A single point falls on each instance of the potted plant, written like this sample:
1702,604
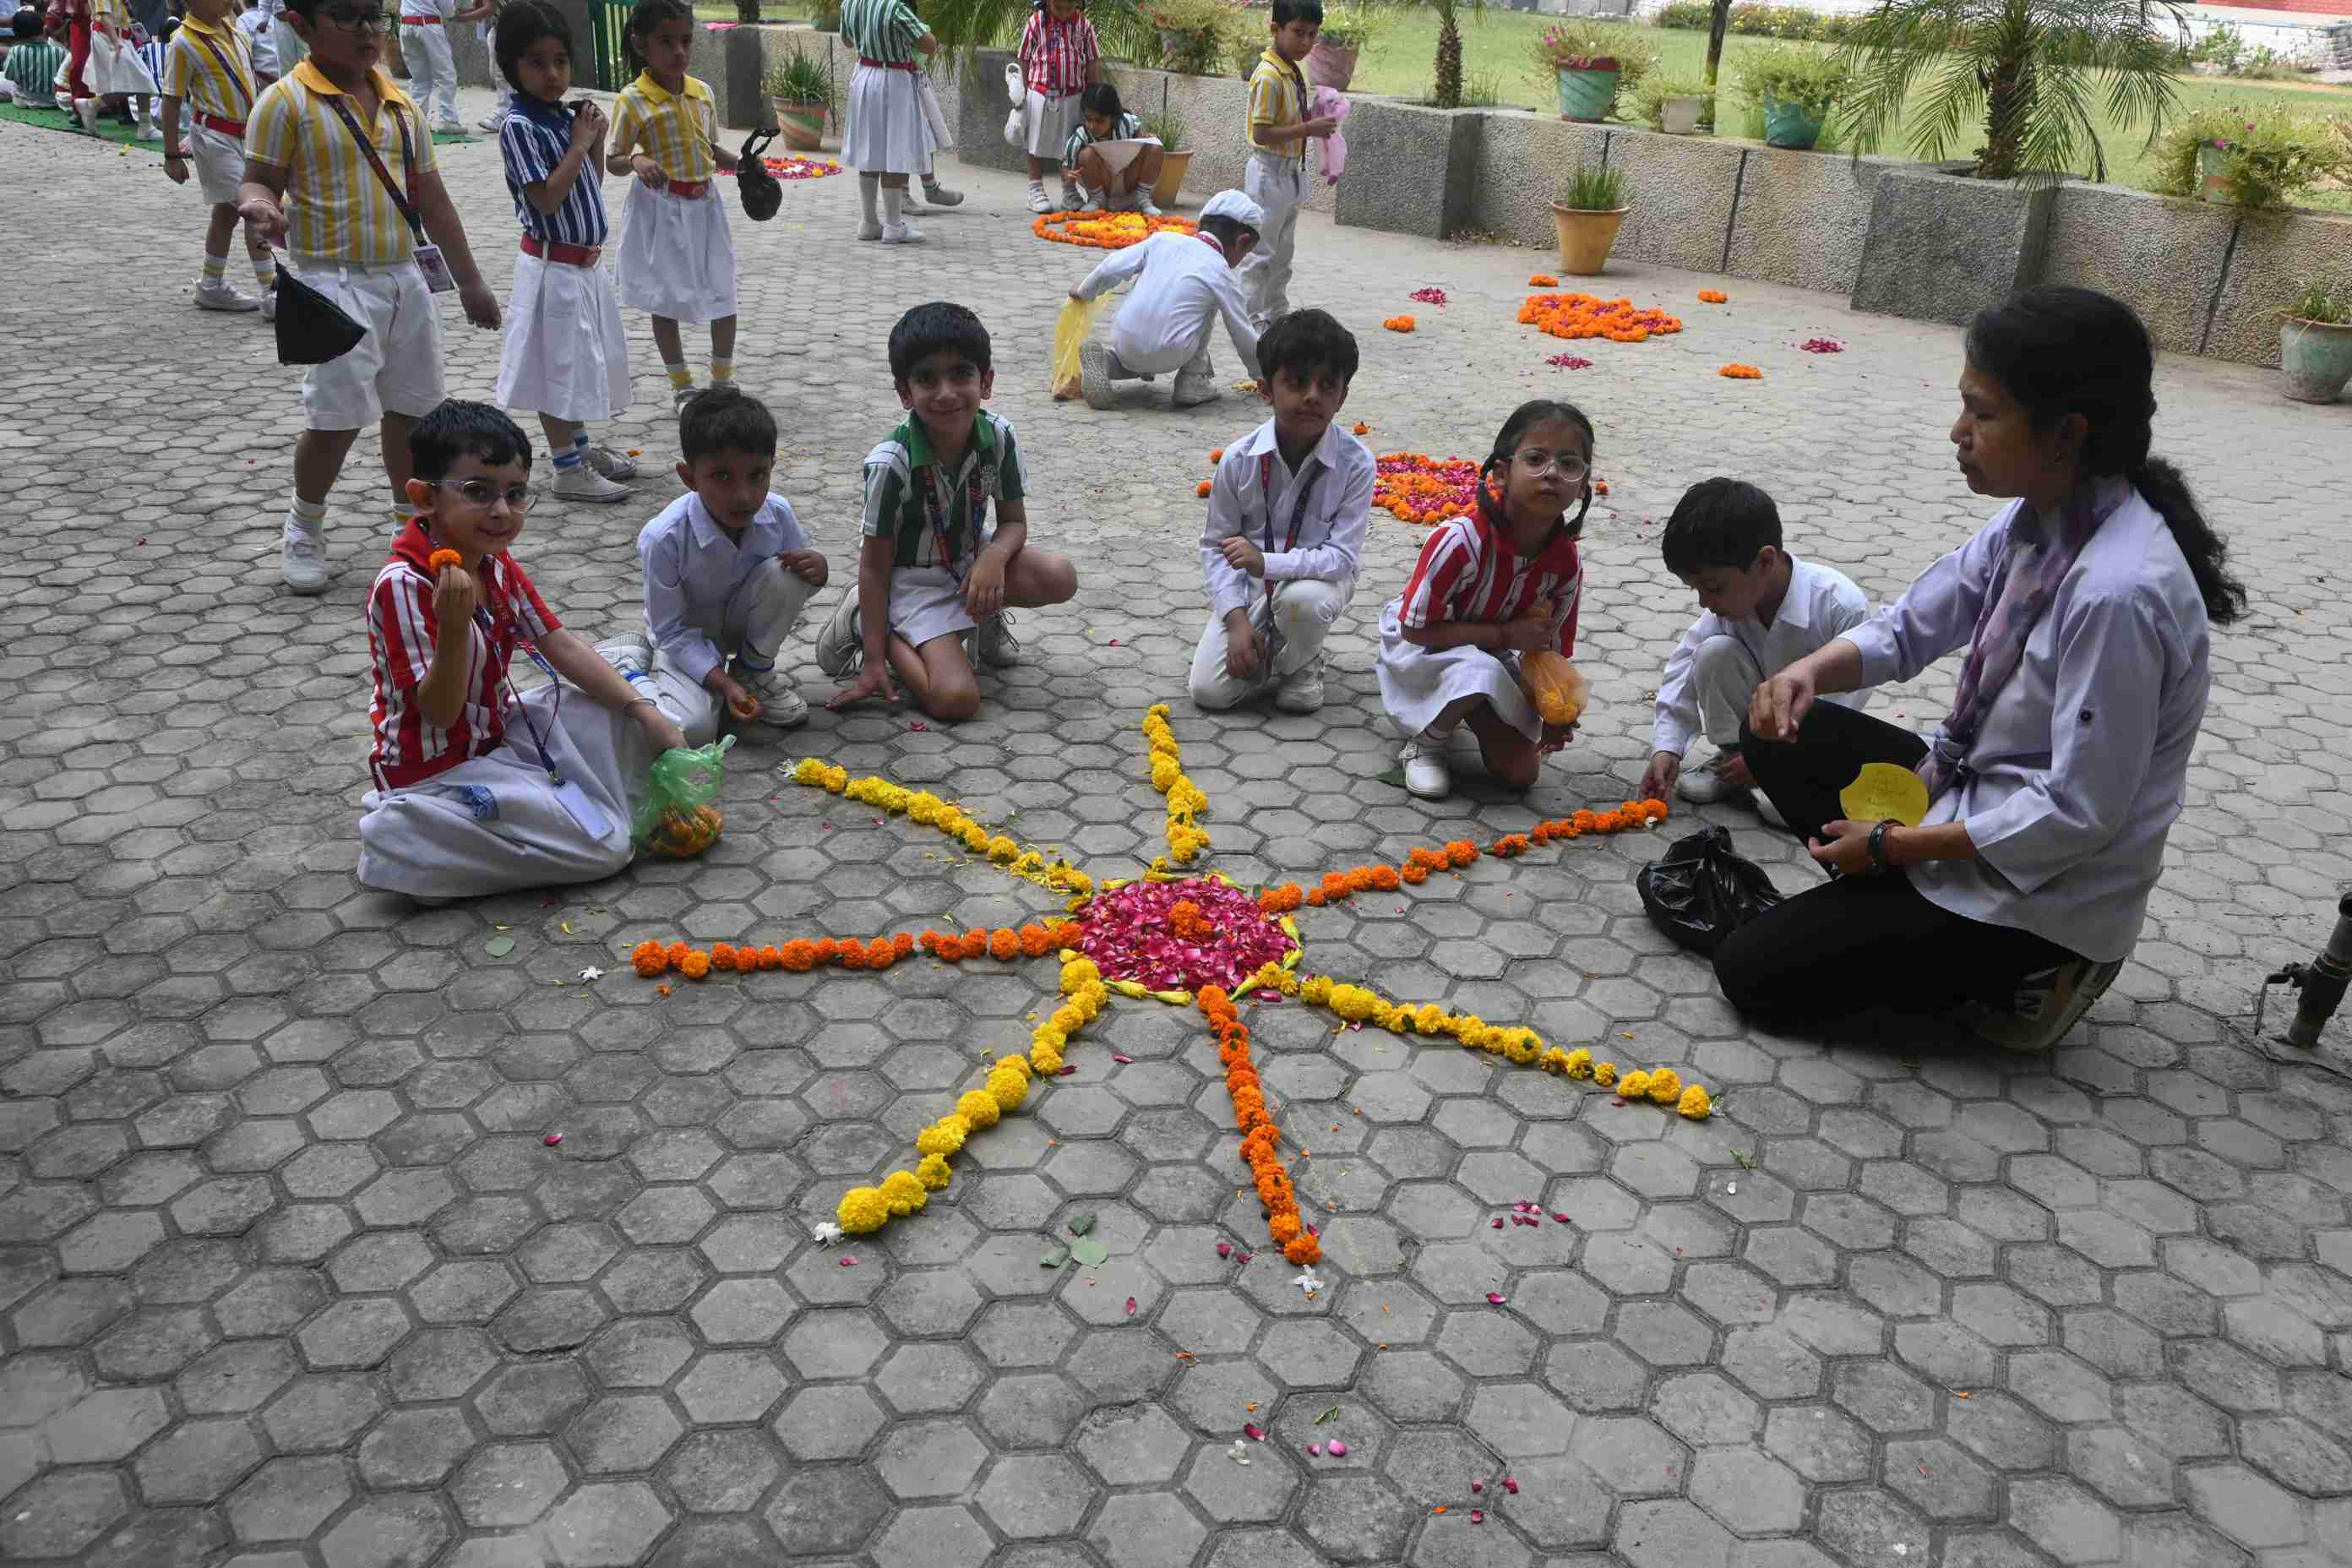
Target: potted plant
1196,35
1590,206
1349,29
1170,128
806,96
2266,159
1679,106
2315,344
1594,61
1796,87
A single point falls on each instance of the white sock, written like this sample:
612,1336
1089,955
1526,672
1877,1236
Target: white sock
311,517
870,188
1038,187
894,206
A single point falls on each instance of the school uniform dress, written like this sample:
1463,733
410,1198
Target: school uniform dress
1276,179
472,807
346,238
114,65
1116,150
888,132
1054,59
1183,287
1310,525
210,71
678,255
937,520
709,598
567,351
1471,569
1719,664
432,64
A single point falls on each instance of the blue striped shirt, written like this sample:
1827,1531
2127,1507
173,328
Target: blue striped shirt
533,141
151,53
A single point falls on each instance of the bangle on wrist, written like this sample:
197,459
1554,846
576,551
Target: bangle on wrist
1878,861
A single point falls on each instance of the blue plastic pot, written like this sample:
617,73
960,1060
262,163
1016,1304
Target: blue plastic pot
1586,94
1790,125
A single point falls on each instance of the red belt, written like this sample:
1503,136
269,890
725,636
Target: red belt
683,190
906,65
225,127
569,255
420,21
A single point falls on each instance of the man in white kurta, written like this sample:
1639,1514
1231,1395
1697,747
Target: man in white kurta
1184,284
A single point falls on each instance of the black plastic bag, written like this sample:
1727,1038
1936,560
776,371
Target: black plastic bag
1702,892
311,328
761,192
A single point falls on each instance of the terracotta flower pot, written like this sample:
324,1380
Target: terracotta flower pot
1327,65
1171,177
1585,237
2316,359
802,124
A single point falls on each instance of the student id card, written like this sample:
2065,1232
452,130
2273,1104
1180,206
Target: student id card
436,268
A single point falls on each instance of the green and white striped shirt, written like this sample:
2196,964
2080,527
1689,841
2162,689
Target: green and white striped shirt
883,30
934,516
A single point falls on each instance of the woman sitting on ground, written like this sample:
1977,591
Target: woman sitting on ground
2053,782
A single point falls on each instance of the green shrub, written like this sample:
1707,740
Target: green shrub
1800,77
1686,15
1593,190
1169,126
1201,37
1566,45
1350,26
2317,304
2269,160
1648,103
796,77
1790,21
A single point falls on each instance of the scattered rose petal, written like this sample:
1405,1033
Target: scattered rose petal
1245,1257
553,1139
1498,1222
1495,1298
919,725
1478,1516
1067,1068
1315,1450
1337,1449
1122,1059
1822,346
1510,1486
1253,1431
1569,362
849,1262
1224,1249
1477,1486
1559,1218
1131,1306
1431,296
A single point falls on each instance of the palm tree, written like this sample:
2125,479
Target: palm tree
2033,69
1446,91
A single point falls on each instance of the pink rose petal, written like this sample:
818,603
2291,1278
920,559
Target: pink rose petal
553,1139
1338,1450
1067,1068
1478,1516
1477,1486
1224,1249
1315,1450
1510,1486
1498,1222
1131,1306
1122,1060
848,1262
1559,1219
1253,1431
1495,1298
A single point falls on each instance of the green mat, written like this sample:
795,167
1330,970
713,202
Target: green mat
111,129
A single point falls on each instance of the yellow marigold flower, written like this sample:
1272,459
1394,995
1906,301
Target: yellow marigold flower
1554,1060
1003,850
1634,1084
1384,1015
1078,973
1029,863
975,837
978,1107
1015,1064
1164,771
1048,1037
1045,1061
1068,1019
1695,1104
1466,1026
1430,1018
925,807
1157,710
904,1191
809,771
939,1137
1665,1086
1317,990
1604,1073
933,1172
862,1209
1353,1003
1579,1063
1519,1044
1009,1089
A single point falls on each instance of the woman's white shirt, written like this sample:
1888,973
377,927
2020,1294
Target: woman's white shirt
2079,768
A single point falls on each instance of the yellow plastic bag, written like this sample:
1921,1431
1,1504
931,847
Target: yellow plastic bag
1077,320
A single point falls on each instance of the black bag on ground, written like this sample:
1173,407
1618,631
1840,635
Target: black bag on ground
1702,892
311,328
761,192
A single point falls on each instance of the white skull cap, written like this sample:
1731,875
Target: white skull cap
1238,207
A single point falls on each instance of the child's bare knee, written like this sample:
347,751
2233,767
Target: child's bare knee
953,705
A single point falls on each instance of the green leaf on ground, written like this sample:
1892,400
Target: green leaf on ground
1089,1251
1394,777
499,946
1327,1414
1081,1224
1055,1257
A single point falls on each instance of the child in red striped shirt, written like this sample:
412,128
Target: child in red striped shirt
1502,582
1060,59
478,790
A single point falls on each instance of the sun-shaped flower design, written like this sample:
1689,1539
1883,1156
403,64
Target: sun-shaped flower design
1197,941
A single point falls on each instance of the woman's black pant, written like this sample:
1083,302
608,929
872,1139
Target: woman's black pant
1862,941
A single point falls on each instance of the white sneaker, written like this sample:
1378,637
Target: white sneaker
631,654
1425,772
214,296
610,464
1196,388
493,123
1701,782
939,196
269,304
449,127
869,231
150,133
905,233
1094,375
1301,691
2046,1006
1039,201
781,706
839,647
580,482
994,643
1073,197
679,397
303,563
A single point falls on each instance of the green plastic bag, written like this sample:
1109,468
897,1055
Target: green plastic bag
1070,329
678,820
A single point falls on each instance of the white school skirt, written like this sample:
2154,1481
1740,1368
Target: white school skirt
677,258
1417,684
566,354
887,134
926,602
115,68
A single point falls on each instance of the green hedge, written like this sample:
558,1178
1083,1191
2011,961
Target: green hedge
1792,22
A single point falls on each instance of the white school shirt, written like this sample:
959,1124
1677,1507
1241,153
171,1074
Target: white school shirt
1822,603
693,570
1183,281
2079,768
1331,529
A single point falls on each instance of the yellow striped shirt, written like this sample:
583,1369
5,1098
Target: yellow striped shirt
335,206
1277,96
193,71
675,129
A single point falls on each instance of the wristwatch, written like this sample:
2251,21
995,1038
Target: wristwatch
1878,844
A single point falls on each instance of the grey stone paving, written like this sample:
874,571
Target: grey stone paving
287,1275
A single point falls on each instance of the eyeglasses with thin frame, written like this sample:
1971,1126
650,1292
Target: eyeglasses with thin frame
356,19
481,493
1535,462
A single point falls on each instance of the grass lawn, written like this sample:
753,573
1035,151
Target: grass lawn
1497,54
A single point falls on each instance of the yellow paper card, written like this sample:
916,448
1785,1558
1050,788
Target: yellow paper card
1881,791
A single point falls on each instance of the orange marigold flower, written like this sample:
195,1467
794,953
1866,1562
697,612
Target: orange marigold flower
902,944
1741,373
696,964
1384,877
1460,853
1304,1250
1713,297
1201,488
1216,454
747,961
1069,933
827,949
649,959
772,957
1035,941
1285,1228
851,953
1362,428
1361,880
972,945
1543,281
880,953
931,941
1005,945
440,558
722,953
1316,900
1415,874
798,955
1399,323
662,990
1600,487
677,952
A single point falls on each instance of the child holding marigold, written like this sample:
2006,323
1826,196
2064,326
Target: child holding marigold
1288,509
1502,582
931,570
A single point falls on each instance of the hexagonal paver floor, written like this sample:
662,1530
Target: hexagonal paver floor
290,1273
